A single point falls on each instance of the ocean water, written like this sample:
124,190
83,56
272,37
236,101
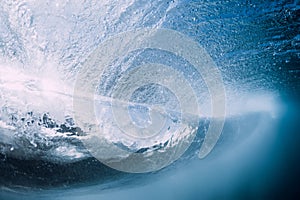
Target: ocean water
44,47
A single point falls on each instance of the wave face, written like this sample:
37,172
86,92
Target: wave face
43,45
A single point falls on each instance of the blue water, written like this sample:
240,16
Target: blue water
255,45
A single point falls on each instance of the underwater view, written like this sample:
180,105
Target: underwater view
135,99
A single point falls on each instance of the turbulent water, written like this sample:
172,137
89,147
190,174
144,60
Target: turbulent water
43,47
